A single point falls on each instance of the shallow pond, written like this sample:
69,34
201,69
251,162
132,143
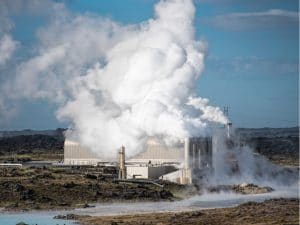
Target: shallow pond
33,218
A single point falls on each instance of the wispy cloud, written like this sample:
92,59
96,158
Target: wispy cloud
273,18
253,65
245,3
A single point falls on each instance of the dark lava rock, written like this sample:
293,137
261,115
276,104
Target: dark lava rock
13,186
91,176
251,189
69,185
27,195
22,223
241,189
45,176
165,194
66,217
27,143
196,214
44,199
19,187
114,223
88,206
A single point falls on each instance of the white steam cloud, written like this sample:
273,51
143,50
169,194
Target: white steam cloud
120,84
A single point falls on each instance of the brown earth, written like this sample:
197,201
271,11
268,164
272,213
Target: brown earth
275,211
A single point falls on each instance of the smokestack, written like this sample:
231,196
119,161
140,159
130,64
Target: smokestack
229,125
122,168
187,174
187,153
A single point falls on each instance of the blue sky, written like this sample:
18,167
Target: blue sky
251,64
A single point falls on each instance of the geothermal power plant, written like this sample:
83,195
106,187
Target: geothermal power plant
189,162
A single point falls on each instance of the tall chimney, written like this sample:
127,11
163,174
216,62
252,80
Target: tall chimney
229,125
186,177
122,168
187,153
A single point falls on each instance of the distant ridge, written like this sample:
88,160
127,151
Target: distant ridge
26,132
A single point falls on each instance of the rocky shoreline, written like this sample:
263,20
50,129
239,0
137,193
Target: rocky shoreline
52,188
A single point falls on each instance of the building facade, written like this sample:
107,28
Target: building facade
75,154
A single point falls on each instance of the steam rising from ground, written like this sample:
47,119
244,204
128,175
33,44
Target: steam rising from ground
236,163
120,84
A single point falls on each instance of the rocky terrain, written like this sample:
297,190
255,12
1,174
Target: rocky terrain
22,146
26,188
280,145
244,189
274,211
66,187
55,188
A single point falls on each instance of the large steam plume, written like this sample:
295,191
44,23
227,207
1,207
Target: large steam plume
119,84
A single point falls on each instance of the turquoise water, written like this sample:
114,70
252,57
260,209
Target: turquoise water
33,218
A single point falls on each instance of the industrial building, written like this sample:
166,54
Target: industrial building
187,163
156,152
148,171
198,161
75,154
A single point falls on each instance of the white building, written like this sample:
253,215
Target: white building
75,154
157,161
148,171
156,152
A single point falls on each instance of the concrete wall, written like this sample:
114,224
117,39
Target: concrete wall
137,172
148,172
